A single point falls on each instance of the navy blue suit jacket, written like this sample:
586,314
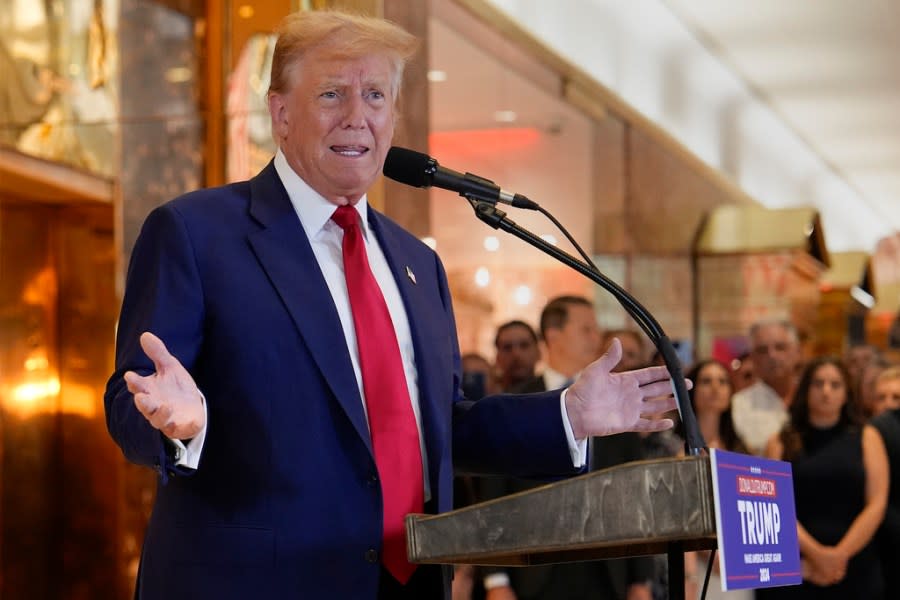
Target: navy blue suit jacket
285,502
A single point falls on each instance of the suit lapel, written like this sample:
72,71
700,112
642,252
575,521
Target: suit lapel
287,257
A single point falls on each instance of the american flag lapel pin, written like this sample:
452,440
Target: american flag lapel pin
410,274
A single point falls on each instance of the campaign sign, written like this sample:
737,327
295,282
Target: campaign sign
756,523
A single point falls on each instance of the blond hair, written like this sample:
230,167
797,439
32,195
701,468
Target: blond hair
889,374
347,35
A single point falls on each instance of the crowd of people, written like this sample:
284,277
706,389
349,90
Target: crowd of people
835,419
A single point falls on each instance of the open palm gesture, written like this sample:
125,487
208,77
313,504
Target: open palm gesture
168,398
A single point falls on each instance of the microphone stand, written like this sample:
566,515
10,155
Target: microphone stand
693,442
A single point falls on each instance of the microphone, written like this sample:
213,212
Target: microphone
420,170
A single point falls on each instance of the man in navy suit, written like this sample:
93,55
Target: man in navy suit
238,360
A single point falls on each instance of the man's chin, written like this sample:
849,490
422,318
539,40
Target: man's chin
353,187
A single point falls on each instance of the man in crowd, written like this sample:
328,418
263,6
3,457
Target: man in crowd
856,358
760,410
517,349
571,339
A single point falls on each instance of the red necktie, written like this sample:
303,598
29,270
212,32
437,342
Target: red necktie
392,423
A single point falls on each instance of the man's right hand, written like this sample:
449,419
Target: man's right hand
169,398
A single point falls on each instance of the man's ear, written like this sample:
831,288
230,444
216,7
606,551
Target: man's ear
279,113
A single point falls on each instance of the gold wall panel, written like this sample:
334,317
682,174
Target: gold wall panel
60,499
29,383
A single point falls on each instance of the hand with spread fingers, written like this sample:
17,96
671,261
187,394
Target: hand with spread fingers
601,402
168,398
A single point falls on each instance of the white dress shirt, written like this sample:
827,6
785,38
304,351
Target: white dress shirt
758,413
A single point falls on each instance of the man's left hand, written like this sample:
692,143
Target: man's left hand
601,402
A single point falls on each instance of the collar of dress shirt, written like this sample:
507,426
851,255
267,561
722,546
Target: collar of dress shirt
555,380
311,207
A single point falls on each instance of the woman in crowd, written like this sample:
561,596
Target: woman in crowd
840,486
711,401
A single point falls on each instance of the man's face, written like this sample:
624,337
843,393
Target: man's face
517,354
336,123
578,342
857,359
887,395
775,353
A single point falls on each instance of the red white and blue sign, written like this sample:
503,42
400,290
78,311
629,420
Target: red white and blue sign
756,522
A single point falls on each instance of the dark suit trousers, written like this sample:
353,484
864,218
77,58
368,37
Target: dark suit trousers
426,582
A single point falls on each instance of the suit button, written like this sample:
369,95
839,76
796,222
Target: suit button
372,481
372,555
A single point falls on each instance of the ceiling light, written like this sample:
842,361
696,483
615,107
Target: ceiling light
437,76
430,242
482,277
522,295
179,75
505,116
491,243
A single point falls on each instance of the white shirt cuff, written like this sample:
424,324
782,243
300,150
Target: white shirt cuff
577,448
188,455
495,580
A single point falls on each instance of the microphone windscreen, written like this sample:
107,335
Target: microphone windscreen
407,166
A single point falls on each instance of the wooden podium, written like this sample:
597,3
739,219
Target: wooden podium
646,507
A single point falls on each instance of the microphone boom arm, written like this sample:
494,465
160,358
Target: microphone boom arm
496,218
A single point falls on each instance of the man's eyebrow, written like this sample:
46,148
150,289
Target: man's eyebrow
332,81
341,82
